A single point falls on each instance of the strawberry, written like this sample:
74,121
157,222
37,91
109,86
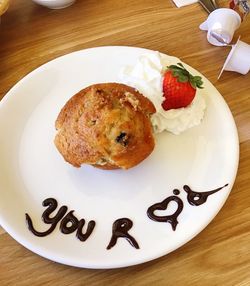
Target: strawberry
179,87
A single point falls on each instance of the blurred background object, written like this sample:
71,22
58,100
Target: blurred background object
54,4
242,7
4,4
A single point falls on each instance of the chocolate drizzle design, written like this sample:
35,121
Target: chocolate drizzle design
193,198
172,219
70,223
120,229
176,192
198,198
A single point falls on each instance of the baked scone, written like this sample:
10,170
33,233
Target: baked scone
106,125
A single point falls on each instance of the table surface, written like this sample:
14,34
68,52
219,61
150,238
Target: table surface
31,35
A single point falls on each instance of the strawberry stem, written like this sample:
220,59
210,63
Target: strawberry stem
183,75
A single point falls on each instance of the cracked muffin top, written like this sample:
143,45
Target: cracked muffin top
106,125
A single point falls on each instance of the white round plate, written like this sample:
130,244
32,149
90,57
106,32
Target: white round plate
31,169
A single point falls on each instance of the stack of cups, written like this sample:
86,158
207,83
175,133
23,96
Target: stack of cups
220,26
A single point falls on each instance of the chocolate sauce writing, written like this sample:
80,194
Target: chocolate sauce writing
70,223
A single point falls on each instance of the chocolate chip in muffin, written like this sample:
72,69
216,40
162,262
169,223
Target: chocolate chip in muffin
122,139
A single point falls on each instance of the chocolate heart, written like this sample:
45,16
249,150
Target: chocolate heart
172,219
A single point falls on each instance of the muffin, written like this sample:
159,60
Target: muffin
106,125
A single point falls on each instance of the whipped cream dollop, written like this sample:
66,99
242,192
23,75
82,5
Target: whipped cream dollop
147,77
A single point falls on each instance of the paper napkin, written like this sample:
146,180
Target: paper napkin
180,3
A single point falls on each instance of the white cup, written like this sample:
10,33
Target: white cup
223,22
55,4
238,60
